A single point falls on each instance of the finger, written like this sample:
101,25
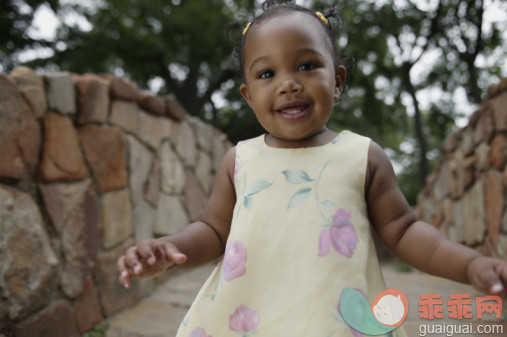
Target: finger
145,251
173,254
123,276
132,262
491,281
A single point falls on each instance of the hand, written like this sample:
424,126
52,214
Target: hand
149,258
488,275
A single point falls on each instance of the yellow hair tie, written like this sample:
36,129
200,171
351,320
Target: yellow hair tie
246,28
321,17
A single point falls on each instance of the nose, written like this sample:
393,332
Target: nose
290,86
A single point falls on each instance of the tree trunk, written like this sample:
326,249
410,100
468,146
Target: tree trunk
418,125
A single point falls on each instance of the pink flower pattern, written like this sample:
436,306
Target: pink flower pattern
234,260
341,236
244,319
198,332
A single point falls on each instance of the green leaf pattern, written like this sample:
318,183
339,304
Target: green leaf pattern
256,187
299,197
296,176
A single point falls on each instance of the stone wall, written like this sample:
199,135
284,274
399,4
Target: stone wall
465,196
89,165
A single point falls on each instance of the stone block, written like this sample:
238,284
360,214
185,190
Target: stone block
203,172
457,232
174,109
195,199
494,203
75,213
27,260
482,152
20,133
469,175
184,142
31,86
203,133
172,172
171,216
441,188
473,214
151,188
152,104
125,115
458,167
504,221
448,212
438,218
61,199
484,128
498,105
117,218
61,154
87,310
144,221
122,89
498,153
92,98
105,152
80,243
60,93
55,321
501,248
467,141
140,160
153,130
112,296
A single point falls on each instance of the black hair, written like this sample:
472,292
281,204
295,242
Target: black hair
271,8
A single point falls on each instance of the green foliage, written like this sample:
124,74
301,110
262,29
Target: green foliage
99,330
15,19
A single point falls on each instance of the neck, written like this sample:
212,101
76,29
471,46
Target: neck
320,138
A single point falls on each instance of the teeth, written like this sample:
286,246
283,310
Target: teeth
293,111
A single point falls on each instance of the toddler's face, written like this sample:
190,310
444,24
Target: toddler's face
291,81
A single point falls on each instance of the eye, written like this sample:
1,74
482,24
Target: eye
266,74
306,66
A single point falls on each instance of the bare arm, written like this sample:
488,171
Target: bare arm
418,243
198,243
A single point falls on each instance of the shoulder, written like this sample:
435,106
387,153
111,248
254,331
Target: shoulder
228,161
379,169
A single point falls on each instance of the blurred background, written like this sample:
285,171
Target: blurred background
418,68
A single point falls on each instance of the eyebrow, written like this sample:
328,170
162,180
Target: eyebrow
302,50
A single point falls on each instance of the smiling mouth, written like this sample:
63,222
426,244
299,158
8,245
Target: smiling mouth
294,112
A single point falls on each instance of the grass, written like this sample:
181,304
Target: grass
99,330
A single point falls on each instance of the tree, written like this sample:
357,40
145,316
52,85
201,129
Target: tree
16,18
179,43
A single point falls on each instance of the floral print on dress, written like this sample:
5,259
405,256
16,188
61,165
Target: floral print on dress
234,260
338,232
341,236
244,320
232,265
198,332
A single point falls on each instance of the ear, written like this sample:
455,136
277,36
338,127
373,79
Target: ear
340,76
243,89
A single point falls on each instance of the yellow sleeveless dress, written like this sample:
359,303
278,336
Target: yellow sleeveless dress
300,234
